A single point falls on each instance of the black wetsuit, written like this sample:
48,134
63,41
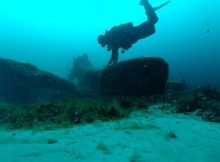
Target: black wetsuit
123,36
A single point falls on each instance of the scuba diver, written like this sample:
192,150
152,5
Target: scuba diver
124,35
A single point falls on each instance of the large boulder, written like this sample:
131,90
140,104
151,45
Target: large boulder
136,77
21,83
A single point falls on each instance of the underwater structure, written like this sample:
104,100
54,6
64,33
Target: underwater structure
23,83
80,65
137,77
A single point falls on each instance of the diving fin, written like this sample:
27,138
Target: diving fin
160,6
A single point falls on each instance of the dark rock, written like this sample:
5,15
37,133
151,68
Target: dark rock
189,103
212,112
204,100
209,93
52,141
136,77
21,83
90,81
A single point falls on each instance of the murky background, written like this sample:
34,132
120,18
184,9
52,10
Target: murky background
49,33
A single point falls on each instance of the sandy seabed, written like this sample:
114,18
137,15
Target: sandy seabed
146,136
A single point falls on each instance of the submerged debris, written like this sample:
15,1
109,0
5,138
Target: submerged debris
30,97
79,66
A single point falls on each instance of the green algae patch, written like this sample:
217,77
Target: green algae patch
65,113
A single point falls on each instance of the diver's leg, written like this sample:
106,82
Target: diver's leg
152,17
150,11
110,61
114,57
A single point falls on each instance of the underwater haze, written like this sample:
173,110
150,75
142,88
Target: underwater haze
50,33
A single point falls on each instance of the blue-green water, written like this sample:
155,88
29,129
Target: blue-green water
49,33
